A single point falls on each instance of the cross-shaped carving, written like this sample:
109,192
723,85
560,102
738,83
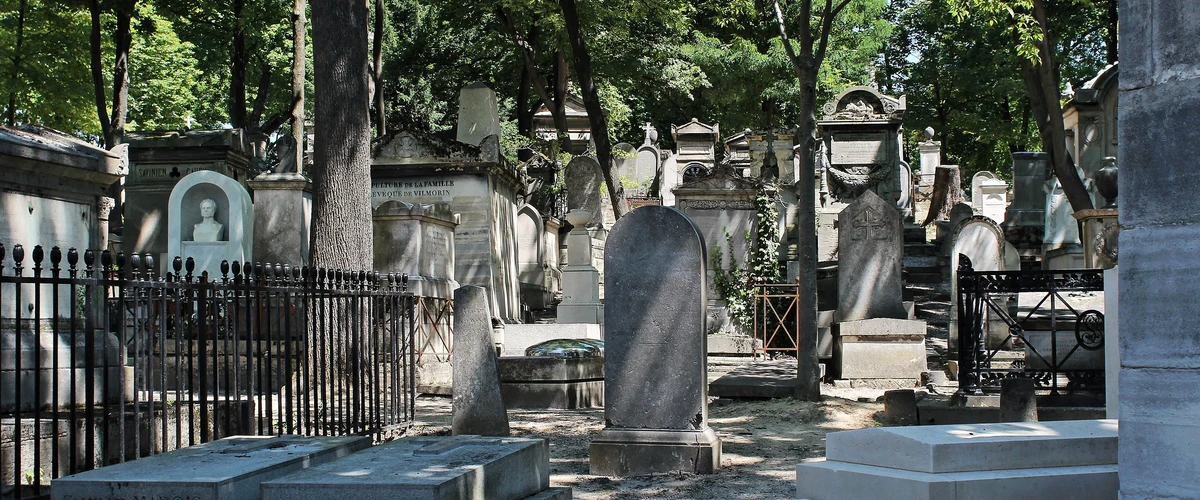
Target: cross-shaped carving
868,225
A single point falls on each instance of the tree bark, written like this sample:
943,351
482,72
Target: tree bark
122,38
1043,79
237,78
1110,35
591,101
342,151
377,69
16,60
98,74
298,59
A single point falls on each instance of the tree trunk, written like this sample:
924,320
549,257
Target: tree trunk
342,152
377,67
1054,136
1110,33
16,72
122,39
591,101
298,60
98,76
237,79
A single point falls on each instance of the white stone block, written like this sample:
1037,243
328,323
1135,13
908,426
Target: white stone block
829,480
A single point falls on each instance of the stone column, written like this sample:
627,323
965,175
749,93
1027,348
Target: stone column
104,206
580,279
1159,437
282,217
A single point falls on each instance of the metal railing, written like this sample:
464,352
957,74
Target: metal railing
777,318
1060,346
111,361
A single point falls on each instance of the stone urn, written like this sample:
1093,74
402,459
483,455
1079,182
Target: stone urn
579,217
1106,181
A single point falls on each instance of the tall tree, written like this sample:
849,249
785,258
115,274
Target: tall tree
16,63
342,150
112,127
814,28
591,101
377,68
299,56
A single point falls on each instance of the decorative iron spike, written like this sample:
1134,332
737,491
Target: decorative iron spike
258,269
236,267
190,265
72,257
177,264
148,259
18,253
295,272
55,256
38,255
225,268
135,261
287,271
89,258
321,274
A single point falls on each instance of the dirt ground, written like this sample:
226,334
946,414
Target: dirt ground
761,443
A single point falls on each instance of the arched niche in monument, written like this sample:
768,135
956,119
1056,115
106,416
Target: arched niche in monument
199,201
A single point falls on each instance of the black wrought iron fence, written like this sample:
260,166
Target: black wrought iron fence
107,360
1057,343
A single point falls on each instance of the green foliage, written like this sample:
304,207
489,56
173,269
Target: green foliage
735,283
54,85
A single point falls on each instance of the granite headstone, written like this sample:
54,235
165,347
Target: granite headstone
477,406
870,246
584,181
656,389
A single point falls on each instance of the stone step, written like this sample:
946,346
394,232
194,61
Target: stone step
965,448
914,234
924,277
922,249
921,262
831,480
434,467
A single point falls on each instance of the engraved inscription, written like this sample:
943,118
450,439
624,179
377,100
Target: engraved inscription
400,190
869,225
858,149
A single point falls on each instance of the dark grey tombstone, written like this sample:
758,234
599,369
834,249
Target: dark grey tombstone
656,390
478,407
870,247
1018,400
583,179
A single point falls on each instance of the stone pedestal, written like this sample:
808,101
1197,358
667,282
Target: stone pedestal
635,452
549,382
282,218
417,240
580,280
1099,238
881,348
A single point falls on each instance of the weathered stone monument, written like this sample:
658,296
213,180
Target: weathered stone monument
478,114
282,217
648,165
873,335
1061,248
478,407
989,195
537,258
580,279
1024,221
981,240
159,160
226,469
417,240
695,144
860,131
477,182
653,254
211,220
1090,119
771,155
584,181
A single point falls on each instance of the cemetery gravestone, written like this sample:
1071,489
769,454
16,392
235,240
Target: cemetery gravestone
982,241
417,240
672,177
584,181
478,114
211,219
532,258
580,279
1024,220
870,250
226,469
282,217
655,333
478,407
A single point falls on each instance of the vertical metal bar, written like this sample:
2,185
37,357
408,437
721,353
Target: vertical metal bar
182,300
18,256
55,406
288,339
73,273
36,407
202,309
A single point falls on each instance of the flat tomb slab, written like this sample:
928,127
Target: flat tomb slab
978,447
548,382
549,369
760,379
435,467
636,452
829,480
227,469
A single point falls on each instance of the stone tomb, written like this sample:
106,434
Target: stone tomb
429,468
551,382
1024,220
1027,460
655,323
580,279
228,469
982,241
989,195
861,144
211,219
584,182
417,240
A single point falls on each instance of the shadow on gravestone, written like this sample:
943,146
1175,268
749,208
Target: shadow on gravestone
583,180
477,407
656,390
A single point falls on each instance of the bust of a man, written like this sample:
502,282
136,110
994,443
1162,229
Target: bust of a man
208,229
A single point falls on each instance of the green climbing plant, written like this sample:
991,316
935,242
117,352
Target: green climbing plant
735,282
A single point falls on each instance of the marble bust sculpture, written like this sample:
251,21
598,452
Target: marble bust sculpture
208,229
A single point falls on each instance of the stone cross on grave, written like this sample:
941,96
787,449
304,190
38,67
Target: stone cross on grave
869,225
651,134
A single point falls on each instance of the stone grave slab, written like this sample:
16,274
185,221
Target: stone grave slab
879,348
420,468
550,382
1027,460
653,332
226,469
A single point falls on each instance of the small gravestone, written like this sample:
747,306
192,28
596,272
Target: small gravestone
656,390
982,241
870,243
226,469
478,115
211,219
417,240
583,188
478,407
